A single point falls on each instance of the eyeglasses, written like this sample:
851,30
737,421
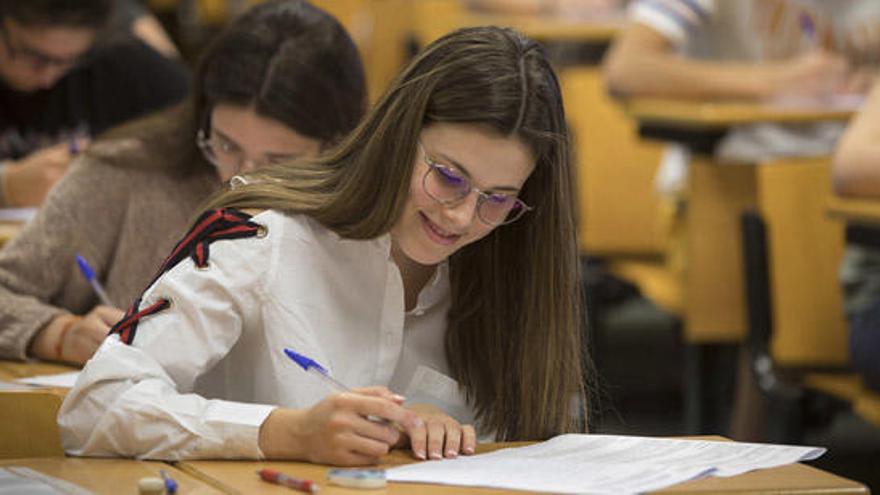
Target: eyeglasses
36,58
449,187
228,156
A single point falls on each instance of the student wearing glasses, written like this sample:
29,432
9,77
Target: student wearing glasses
431,254
283,81
64,80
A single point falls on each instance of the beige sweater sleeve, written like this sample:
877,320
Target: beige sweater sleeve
38,273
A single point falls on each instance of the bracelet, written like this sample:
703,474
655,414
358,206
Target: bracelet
59,346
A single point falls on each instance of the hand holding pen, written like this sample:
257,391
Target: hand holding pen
72,338
371,409
337,430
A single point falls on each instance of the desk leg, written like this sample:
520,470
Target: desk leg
709,380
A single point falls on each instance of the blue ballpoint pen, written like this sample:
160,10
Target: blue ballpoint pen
311,366
89,274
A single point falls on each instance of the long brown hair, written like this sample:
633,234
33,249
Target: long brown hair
287,60
515,327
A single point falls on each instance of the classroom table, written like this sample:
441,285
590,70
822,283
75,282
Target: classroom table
8,230
110,476
856,210
10,370
715,303
28,427
434,18
240,476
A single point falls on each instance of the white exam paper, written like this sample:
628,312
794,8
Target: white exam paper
65,380
602,464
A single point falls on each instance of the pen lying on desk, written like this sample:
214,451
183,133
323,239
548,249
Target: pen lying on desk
288,481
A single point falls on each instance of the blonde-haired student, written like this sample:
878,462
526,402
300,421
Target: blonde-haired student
432,254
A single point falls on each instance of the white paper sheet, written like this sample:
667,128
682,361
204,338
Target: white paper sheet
19,480
17,215
65,380
4,386
602,464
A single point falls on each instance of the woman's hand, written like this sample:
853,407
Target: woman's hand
340,430
74,339
439,436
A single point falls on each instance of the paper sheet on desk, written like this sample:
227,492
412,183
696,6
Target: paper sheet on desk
602,464
17,215
64,380
21,480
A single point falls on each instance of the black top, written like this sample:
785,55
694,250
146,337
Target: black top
118,81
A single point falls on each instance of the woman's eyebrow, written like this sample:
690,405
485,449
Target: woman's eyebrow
225,137
449,160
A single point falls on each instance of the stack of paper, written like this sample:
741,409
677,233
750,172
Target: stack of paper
602,464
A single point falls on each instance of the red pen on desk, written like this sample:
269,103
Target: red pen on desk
282,479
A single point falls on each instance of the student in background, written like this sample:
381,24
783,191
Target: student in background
432,252
802,51
856,172
283,81
133,16
60,85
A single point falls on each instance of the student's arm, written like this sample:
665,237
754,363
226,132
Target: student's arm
856,166
38,269
644,62
137,400
26,182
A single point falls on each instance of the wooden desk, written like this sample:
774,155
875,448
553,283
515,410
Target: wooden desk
434,18
701,114
790,195
10,370
241,476
8,230
28,426
856,210
111,476
715,303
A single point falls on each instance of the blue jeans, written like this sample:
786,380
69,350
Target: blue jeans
864,344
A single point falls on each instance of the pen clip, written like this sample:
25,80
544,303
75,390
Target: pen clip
304,362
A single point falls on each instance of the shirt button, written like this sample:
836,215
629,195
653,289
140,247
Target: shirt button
389,338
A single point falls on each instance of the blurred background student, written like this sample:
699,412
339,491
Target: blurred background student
856,172
794,52
282,81
749,50
133,16
62,81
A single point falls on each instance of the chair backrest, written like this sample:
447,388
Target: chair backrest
619,208
805,249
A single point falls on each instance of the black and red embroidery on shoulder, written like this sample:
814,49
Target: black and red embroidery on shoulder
213,225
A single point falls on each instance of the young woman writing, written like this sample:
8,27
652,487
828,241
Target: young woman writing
431,253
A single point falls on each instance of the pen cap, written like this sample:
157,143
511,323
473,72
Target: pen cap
84,267
304,362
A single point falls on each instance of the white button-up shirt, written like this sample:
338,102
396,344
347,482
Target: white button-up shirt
200,377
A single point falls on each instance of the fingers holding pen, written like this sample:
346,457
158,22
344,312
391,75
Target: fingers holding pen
337,430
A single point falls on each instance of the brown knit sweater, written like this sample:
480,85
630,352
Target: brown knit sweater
123,219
